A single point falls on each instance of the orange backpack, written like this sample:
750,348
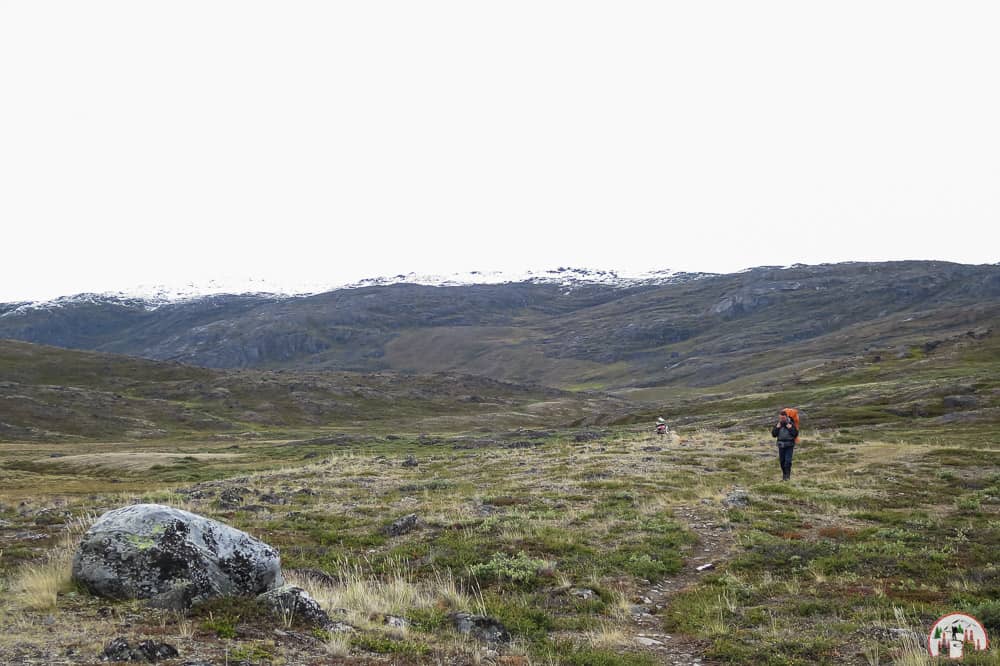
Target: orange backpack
793,414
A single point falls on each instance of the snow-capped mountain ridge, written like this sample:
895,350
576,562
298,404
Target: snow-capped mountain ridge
155,296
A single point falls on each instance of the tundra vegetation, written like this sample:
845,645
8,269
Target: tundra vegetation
401,501
878,535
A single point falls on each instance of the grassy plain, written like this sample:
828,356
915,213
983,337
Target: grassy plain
880,532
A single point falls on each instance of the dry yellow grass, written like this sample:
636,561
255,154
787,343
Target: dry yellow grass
132,461
607,636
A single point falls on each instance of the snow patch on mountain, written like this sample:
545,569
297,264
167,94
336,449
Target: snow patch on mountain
152,297
562,276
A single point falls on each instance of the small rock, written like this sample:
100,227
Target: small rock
396,622
340,628
480,627
151,651
271,498
231,498
648,642
295,605
737,498
410,462
402,525
705,567
584,593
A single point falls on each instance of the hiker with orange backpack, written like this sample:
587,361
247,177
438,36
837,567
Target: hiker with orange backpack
787,432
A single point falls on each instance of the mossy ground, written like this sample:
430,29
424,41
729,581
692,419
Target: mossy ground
871,536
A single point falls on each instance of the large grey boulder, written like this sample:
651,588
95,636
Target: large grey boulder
172,557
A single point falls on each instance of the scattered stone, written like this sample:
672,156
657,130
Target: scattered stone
339,627
402,525
652,449
584,593
29,536
271,498
232,498
737,498
410,462
151,651
172,557
293,604
587,436
523,444
396,622
647,642
705,567
480,627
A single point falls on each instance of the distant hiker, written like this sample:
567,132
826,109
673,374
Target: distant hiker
661,426
787,433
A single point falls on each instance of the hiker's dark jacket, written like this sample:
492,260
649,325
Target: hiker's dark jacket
786,434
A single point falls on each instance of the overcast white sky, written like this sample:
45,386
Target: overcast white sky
145,142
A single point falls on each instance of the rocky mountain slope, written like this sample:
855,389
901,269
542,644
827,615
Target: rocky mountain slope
685,330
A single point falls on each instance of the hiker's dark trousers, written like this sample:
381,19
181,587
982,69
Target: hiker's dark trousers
785,459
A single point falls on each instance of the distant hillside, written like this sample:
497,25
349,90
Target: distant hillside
51,393
766,325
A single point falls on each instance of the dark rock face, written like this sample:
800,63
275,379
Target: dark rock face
171,557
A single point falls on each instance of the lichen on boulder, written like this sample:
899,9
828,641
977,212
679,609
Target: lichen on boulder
172,557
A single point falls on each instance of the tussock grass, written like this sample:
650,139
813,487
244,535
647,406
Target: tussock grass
608,635
364,595
38,585
337,645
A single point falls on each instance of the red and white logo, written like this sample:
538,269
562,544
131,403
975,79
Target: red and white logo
954,634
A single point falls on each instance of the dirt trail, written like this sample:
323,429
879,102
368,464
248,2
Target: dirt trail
715,540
